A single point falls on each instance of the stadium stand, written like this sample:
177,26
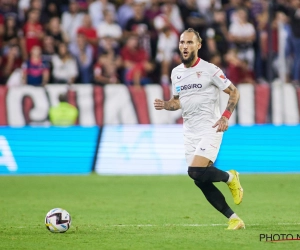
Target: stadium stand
48,24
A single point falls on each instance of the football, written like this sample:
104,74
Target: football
58,220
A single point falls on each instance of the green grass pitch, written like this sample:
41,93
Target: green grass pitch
145,212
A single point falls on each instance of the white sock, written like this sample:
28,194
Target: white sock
230,177
234,216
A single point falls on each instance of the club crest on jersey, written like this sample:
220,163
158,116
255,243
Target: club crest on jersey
198,74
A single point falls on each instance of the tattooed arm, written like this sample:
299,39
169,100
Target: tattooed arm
172,104
234,96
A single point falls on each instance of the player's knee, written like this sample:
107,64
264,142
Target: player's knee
197,173
199,184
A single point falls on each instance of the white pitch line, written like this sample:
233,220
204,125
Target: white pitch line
196,225
182,225
167,225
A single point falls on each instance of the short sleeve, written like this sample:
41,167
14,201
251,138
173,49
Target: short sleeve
174,90
219,79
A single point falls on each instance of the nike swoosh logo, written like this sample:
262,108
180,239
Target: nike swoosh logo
178,77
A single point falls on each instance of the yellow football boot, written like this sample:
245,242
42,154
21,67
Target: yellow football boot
235,224
236,188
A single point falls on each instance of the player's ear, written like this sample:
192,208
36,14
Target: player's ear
199,45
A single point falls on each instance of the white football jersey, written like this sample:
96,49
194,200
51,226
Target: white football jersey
198,90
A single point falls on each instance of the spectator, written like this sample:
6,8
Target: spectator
136,62
205,6
125,12
10,36
170,16
32,33
216,35
105,70
11,61
48,51
108,27
54,30
71,21
23,7
83,4
35,71
107,46
38,5
192,18
262,29
293,12
242,35
153,10
89,31
257,7
238,70
96,11
139,26
64,66
64,114
8,7
216,59
51,10
2,28
83,52
167,45
231,7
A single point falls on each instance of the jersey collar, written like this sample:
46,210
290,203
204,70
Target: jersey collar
198,60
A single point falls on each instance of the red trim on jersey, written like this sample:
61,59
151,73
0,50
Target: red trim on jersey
216,72
198,60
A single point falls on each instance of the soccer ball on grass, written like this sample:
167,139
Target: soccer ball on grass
58,220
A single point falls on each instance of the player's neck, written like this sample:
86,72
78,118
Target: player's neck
193,63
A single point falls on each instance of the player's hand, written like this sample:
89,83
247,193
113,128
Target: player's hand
222,124
159,104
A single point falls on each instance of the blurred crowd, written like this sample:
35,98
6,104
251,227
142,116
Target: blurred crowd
135,42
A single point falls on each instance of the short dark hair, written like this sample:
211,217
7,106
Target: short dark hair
63,98
191,30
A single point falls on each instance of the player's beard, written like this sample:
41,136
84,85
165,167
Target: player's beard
188,60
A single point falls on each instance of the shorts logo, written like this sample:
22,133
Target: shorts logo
191,86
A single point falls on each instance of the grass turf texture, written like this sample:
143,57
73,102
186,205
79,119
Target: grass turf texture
148,212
